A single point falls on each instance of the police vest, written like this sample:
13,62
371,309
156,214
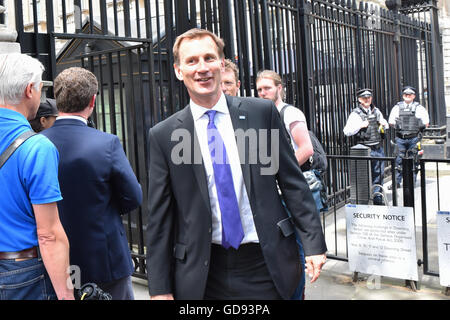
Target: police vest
370,135
408,123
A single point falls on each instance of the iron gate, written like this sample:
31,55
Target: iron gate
325,51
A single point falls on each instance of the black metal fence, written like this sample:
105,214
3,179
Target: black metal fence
353,186
325,51
434,183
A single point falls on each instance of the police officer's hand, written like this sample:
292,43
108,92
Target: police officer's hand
365,124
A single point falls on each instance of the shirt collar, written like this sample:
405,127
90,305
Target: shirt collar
198,111
12,114
15,115
72,117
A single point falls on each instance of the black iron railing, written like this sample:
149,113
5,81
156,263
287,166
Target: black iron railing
324,50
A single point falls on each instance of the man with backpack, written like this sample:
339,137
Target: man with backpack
269,86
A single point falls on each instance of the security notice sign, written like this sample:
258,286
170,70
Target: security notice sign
381,241
443,225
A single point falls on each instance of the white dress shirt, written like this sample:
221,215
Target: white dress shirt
222,120
421,113
72,117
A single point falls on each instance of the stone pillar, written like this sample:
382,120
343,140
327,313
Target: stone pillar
8,37
8,44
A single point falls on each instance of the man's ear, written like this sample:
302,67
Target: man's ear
178,73
29,90
42,120
92,101
280,88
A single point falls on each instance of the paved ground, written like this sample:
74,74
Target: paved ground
336,281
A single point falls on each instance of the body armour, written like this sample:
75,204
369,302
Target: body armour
408,123
371,135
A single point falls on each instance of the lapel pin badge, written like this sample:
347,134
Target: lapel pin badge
241,117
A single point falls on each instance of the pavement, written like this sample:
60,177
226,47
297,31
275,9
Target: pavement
337,282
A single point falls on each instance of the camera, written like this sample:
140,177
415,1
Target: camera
90,291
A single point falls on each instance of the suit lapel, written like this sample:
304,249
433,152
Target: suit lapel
187,122
239,118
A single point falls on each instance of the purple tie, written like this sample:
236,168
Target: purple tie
232,232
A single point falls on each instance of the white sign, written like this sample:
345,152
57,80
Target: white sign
382,241
443,225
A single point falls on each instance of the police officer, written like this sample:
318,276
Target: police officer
409,119
367,124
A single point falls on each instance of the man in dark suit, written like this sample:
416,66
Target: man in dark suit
98,185
216,225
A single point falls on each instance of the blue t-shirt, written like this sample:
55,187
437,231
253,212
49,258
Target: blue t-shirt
30,176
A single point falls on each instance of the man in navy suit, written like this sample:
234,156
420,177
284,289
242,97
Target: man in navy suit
216,226
98,186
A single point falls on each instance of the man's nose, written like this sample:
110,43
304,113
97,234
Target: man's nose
203,66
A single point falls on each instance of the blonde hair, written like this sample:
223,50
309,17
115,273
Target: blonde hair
275,77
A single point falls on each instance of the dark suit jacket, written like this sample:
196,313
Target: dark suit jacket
98,185
179,222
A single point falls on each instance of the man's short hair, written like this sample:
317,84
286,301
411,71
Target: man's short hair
196,33
74,88
275,77
17,71
231,66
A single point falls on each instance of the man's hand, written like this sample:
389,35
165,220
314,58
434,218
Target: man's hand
314,265
168,296
364,124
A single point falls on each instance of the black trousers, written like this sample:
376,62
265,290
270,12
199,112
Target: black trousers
239,275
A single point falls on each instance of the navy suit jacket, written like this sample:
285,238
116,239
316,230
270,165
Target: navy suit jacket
179,227
98,185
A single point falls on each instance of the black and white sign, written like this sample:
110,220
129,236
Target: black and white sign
443,225
381,241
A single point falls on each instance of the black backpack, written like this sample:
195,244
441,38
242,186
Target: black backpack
319,158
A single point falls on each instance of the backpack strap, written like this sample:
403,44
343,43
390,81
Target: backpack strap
284,124
14,145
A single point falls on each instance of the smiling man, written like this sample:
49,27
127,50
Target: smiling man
217,229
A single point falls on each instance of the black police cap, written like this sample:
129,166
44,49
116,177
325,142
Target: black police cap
409,90
362,93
